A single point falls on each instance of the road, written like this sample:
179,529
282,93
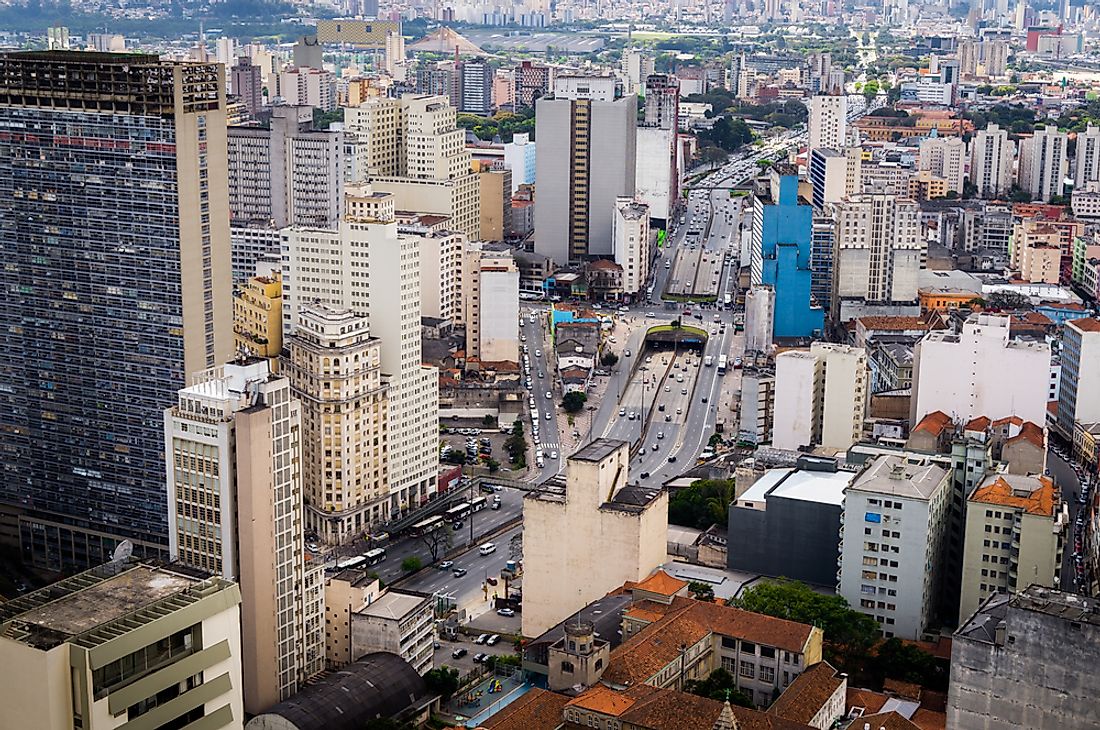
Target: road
542,372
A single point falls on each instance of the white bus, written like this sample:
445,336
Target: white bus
477,504
429,525
354,562
721,364
375,556
458,512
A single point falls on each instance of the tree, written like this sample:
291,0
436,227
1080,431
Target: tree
573,401
488,420
411,564
608,359
494,466
516,445
437,541
703,504
895,659
719,685
701,591
442,681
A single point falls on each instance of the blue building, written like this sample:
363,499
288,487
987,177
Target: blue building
782,231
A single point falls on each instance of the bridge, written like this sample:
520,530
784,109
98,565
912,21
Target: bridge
442,504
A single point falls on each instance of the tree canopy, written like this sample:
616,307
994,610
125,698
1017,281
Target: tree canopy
704,503
719,685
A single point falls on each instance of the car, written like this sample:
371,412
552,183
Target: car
672,459
626,353
506,612
704,397
492,641
481,639
668,388
661,407
549,415
480,657
447,565
495,505
622,411
668,418
553,454
549,395
683,391
523,338
459,572
538,353
660,434
612,340
655,447
631,416
459,653
645,475
487,549
457,525
491,580
650,315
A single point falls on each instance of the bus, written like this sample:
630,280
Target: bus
721,364
429,525
375,556
354,562
458,512
477,504
728,301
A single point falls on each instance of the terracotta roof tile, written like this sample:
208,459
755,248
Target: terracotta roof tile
604,700
1089,324
934,423
905,690
870,701
980,423
887,721
929,720
808,693
1029,432
662,584
894,324
1039,499
538,709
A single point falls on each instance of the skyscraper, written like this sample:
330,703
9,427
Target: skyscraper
991,172
1043,163
476,79
1087,166
114,230
248,85
828,122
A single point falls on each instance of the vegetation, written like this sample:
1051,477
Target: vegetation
442,681
323,120
719,685
1016,119
493,464
412,563
573,401
502,124
726,134
516,446
608,359
701,591
502,660
704,503
488,420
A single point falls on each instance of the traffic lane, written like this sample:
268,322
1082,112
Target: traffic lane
466,589
1065,478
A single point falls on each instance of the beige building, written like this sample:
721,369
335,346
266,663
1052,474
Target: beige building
630,236
369,267
442,257
946,158
258,317
123,645
495,193
400,623
615,532
335,368
346,592
1015,528
1040,263
820,396
490,297
233,454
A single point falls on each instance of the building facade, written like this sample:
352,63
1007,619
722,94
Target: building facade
828,122
993,154
400,623
1079,387
821,396
1044,163
258,317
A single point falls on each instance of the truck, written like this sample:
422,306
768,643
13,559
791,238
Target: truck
708,361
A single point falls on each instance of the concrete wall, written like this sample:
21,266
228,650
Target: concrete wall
612,168
553,130
795,375
791,538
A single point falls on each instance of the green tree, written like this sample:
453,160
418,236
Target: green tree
608,359
701,591
573,401
704,503
442,681
494,466
895,659
488,420
411,564
719,685
516,445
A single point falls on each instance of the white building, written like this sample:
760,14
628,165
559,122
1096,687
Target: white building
1044,163
991,170
1079,391
442,257
310,86
759,318
828,122
636,66
519,157
656,173
591,88
367,267
820,396
235,509
490,297
630,233
980,372
896,514
945,157
835,174
1087,159
400,623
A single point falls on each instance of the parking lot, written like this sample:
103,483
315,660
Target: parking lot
465,664
456,440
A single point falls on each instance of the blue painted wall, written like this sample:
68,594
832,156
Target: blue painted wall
785,244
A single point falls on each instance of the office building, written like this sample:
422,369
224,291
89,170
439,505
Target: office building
289,174
1044,163
124,644
494,200
892,542
780,252
636,67
787,524
822,243
442,258
617,534
878,254
633,251
1021,661
1086,169
440,79
258,317
335,368
371,131
531,82
662,101
834,174
587,158
945,158
519,157
1005,377
254,252
490,303
821,396
111,308
1079,389
368,267
476,79
248,85
828,122
1015,528
233,450
993,156
398,623
657,175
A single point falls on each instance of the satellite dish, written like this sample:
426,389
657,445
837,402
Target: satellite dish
122,552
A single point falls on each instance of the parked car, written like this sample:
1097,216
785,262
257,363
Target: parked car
481,639
506,612
493,640
459,653
491,580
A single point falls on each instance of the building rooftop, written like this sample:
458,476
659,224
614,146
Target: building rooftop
799,484
538,709
901,476
1088,324
597,450
393,605
934,423
662,584
808,693
1034,495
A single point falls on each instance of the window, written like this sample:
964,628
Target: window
767,674
747,647
567,667
748,669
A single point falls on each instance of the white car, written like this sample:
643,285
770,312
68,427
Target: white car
549,394
538,353
553,454
622,411
549,415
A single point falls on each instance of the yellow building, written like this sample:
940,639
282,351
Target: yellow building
258,317
926,186
495,192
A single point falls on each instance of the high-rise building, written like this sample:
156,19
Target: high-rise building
233,447
828,122
944,157
834,174
289,174
1015,528
636,67
630,232
821,396
248,85
258,317
490,294
440,79
759,318
662,101
368,267
1004,377
335,368
531,82
476,80
118,286
587,158
877,253
123,643
995,53
304,86
892,573
494,190
519,157
822,243
1087,165
780,251
308,52
991,171
1044,163
1079,390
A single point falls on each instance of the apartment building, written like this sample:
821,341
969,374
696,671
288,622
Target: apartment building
1016,525
80,425
633,252
254,251
258,317
946,158
125,644
442,273
475,78
531,82
335,368
893,536
828,121
993,157
757,406
1079,390
1044,163
397,622
346,591
490,304
820,396
1086,170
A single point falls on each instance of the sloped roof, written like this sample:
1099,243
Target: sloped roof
1034,495
934,423
445,40
538,709
1029,432
662,584
808,693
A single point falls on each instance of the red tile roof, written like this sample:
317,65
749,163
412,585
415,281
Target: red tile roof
995,489
662,584
886,721
538,709
980,423
934,423
870,701
808,693
1029,432
1089,324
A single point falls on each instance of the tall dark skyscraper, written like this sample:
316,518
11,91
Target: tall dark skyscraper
115,289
